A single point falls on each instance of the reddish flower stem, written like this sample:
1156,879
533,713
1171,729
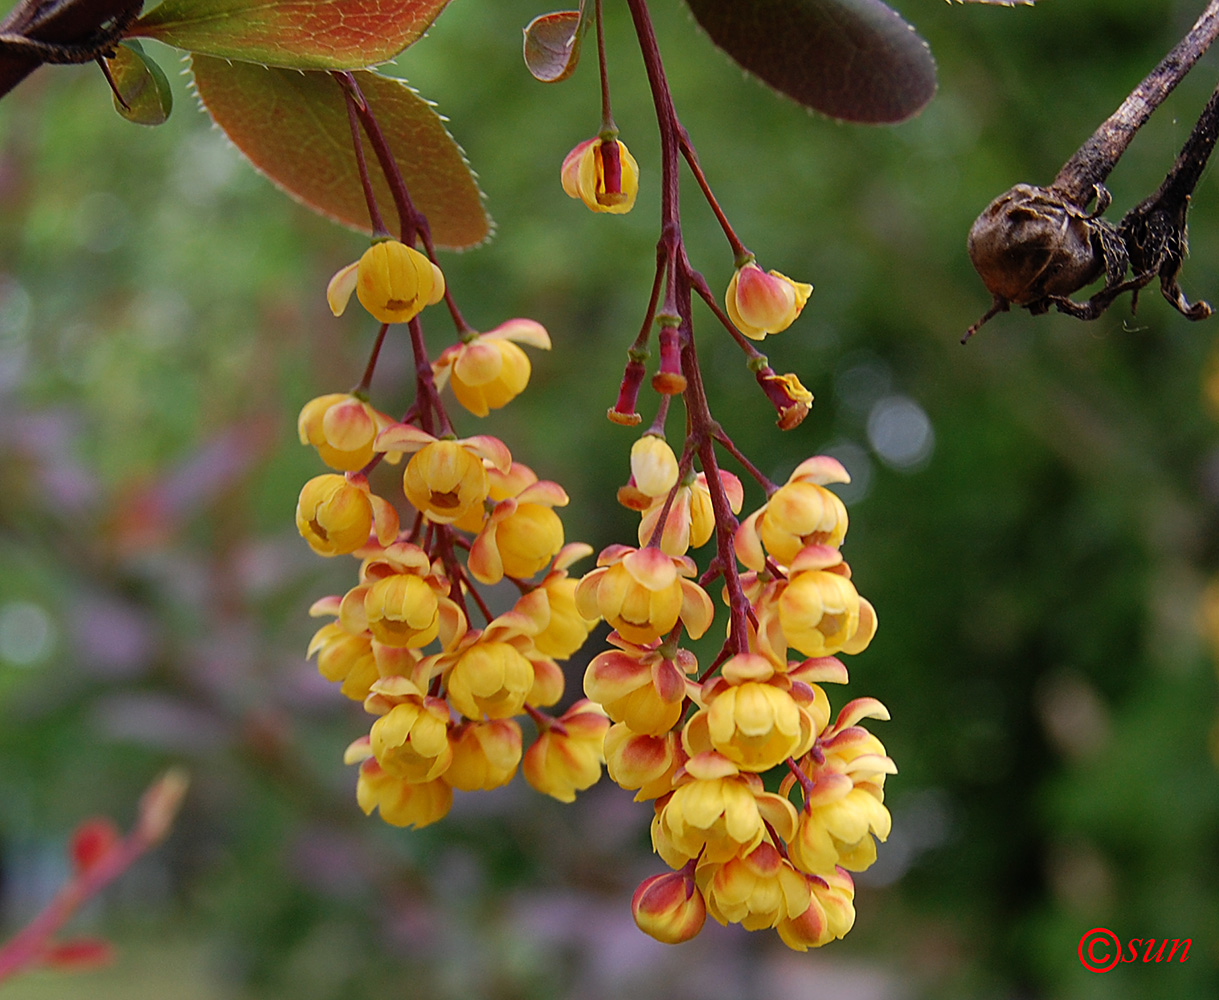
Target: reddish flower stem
366,380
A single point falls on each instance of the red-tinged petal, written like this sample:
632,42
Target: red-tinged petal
816,557
402,437
820,670
820,469
651,568
453,624
586,594
546,493
861,708
522,331
358,750
352,615
490,448
866,630
484,561
384,519
748,544
697,611
778,812
708,765
325,606
733,490
571,553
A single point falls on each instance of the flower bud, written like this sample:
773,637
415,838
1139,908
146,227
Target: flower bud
759,303
669,907
585,176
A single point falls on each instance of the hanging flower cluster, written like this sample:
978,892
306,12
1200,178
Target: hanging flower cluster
446,694
697,744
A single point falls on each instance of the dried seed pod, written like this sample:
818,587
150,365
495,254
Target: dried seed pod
1031,244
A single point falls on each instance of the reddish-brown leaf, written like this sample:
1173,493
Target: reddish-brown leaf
295,34
552,45
294,128
851,59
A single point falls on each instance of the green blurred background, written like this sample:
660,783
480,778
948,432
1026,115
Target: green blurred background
1033,515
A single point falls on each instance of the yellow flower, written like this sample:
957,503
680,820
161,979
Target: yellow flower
759,303
411,741
669,907
844,806
491,678
584,177
342,428
691,518
757,889
646,763
485,755
751,717
335,515
488,370
640,685
716,811
402,803
567,629
567,757
444,480
344,657
801,512
830,913
392,281
643,592
820,611
402,610
522,533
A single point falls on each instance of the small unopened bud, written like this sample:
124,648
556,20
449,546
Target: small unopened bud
669,907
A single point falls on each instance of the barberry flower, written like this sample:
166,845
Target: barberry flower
567,757
751,716
401,802
757,889
583,177
345,658
522,533
800,513
669,907
335,515
485,755
759,303
641,685
716,811
691,518
445,478
392,281
488,370
411,740
401,600
830,914
567,629
647,763
643,592
844,806
820,611
342,427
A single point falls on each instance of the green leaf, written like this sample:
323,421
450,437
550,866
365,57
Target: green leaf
294,128
552,45
295,34
851,59
147,99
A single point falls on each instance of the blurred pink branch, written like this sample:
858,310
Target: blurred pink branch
100,858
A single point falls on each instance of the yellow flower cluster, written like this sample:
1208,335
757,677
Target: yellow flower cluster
698,746
446,696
